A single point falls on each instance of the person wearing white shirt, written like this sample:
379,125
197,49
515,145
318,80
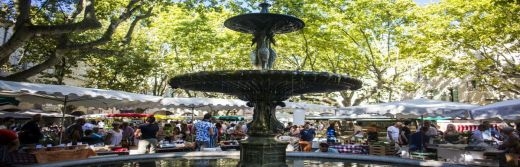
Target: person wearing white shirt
393,132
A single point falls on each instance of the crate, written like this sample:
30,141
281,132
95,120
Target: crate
381,150
423,155
16,158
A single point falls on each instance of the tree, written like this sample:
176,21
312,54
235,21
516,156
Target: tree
73,28
368,40
195,40
481,41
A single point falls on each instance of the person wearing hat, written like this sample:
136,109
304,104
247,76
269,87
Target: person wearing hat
511,146
75,131
31,132
324,148
511,141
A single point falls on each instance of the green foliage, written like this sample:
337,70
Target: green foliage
126,71
480,39
387,44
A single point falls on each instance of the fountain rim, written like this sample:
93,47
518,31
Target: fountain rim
273,15
265,72
236,155
310,74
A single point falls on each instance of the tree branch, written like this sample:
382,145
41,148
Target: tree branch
128,36
23,30
308,55
20,34
65,28
370,50
79,9
23,75
107,36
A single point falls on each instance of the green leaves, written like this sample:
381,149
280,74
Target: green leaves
483,37
390,45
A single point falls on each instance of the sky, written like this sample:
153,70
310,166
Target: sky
425,2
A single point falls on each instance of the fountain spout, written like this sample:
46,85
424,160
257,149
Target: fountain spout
264,7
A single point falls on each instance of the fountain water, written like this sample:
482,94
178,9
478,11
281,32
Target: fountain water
264,89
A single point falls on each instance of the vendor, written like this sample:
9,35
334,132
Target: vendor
432,130
477,137
419,139
511,141
332,133
306,137
451,135
91,138
372,133
358,131
31,132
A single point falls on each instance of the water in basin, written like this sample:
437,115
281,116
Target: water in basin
225,162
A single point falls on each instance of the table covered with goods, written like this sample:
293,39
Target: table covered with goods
351,148
175,146
41,154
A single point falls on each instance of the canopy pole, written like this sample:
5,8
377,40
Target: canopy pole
422,124
63,117
192,123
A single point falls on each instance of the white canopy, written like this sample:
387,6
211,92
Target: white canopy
30,113
60,94
505,110
308,106
207,104
416,107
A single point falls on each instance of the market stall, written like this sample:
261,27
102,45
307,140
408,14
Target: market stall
413,109
504,110
70,95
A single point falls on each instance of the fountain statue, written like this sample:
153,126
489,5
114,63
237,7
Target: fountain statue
264,89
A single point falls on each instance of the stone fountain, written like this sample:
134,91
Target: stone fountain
264,89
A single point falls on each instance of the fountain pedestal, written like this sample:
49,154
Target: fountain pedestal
261,148
262,152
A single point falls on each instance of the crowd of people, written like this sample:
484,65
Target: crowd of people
206,133
401,135
504,137
209,132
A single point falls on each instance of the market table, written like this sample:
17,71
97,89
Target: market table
456,153
187,146
63,155
110,150
351,148
113,152
229,145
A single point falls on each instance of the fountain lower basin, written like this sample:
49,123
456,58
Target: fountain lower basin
231,158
